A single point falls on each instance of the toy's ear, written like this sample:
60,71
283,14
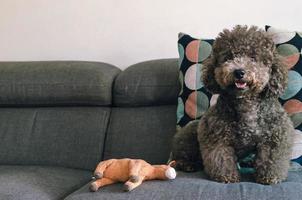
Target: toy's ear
208,75
172,163
278,78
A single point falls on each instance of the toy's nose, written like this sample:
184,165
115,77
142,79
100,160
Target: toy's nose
239,73
170,173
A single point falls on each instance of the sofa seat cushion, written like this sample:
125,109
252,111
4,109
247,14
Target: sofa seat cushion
197,186
39,183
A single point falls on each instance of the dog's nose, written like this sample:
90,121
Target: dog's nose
239,73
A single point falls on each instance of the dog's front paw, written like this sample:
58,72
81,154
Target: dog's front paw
227,178
268,180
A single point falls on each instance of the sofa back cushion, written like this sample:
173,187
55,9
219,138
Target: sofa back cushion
149,83
56,83
54,113
141,132
143,122
56,136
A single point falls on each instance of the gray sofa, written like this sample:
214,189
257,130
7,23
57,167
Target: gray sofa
59,119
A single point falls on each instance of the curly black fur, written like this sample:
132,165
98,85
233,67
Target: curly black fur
247,117
186,148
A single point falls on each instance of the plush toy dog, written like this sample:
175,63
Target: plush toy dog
132,172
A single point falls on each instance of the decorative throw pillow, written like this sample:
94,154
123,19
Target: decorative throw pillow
193,99
289,45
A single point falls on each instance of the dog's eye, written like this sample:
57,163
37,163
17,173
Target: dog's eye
228,57
253,58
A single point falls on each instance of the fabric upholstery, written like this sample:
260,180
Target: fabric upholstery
39,183
56,83
141,132
148,83
196,186
57,136
140,125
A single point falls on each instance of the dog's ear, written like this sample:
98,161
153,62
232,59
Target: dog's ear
208,75
278,78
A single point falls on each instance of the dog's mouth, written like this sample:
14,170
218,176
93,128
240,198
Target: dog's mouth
240,84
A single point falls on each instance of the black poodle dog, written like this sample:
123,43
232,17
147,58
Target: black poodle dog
249,76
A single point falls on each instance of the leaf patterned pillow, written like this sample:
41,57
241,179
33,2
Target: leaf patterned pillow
193,98
289,45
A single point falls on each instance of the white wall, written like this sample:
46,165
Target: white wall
123,32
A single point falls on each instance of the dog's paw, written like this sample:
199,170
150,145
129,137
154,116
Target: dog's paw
227,178
268,180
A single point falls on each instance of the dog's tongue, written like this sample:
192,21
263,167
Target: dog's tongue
240,84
